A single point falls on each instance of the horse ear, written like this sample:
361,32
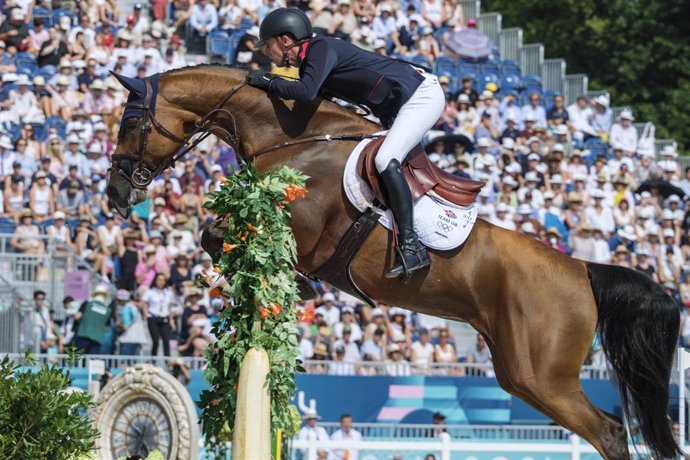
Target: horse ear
132,84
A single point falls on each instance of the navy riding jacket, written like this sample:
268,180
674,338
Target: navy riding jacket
351,73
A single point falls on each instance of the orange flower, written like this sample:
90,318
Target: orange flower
264,312
234,388
292,192
214,402
305,315
251,227
227,247
215,293
275,309
217,270
222,179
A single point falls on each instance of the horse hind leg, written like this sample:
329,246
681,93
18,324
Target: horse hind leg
564,401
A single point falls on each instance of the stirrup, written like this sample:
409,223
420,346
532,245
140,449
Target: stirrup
422,261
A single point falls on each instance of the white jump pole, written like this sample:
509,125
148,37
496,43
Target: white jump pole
251,439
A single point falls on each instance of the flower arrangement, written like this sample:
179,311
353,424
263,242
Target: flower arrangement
254,275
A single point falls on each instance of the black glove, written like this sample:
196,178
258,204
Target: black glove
260,78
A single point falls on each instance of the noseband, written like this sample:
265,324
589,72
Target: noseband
143,171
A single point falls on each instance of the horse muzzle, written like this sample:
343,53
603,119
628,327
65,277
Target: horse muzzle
122,195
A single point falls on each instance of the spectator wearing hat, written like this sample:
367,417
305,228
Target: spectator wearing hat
60,232
582,243
41,198
347,320
396,366
129,324
511,116
383,25
22,103
110,236
466,116
93,316
331,313
63,100
14,31
624,133
534,110
148,266
182,237
601,216
74,156
643,265
71,200
601,116
311,431
341,365
398,329
96,100
348,344
467,89
503,218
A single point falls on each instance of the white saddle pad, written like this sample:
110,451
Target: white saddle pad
440,225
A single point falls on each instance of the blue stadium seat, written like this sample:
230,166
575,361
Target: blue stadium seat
486,78
445,65
467,69
509,82
40,131
46,72
26,64
234,43
58,13
59,125
509,67
422,61
531,83
597,147
246,23
218,43
43,13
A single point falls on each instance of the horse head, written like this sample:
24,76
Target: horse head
164,118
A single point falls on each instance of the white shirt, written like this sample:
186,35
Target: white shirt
423,353
307,433
354,436
626,137
537,112
355,331
579,118
158,302
330,315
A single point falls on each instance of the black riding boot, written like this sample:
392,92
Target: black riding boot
411,255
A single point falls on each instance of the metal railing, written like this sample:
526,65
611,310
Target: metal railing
531,59
27,273
490,24
364,368
553,74
419,431
509,43
574,86
16,320
471,8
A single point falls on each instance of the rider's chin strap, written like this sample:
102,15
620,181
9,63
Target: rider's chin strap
303,44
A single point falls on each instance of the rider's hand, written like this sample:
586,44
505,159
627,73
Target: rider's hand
260,78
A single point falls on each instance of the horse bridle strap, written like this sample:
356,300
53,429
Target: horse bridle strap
143,171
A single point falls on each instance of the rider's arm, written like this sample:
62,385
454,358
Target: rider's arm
319,63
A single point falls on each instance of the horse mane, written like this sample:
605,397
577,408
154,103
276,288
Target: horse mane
327,108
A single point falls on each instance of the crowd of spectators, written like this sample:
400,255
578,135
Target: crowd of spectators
59,116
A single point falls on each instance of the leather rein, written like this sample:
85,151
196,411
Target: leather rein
143,171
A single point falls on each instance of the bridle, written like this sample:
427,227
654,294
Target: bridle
143,171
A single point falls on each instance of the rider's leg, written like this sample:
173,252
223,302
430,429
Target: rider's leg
415,118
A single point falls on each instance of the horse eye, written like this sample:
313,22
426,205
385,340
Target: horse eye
131,123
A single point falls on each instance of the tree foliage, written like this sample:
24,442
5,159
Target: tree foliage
40,418
637,50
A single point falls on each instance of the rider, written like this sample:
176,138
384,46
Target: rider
406,99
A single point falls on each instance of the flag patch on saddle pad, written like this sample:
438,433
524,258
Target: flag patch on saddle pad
439,224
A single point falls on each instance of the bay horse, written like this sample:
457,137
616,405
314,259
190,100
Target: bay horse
538,309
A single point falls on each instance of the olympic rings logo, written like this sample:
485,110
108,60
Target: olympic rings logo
444,226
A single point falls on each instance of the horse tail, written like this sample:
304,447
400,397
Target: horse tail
638,326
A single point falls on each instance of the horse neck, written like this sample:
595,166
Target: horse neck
261,120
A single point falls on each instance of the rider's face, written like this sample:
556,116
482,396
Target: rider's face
275,49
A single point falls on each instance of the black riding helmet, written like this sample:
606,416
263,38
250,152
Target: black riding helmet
285,21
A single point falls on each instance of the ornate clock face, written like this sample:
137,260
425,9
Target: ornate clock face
140,426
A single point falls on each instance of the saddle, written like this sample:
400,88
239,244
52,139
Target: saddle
422,176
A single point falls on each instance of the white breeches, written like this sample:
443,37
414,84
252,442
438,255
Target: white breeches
417,116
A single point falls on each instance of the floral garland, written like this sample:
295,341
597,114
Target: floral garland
254,274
